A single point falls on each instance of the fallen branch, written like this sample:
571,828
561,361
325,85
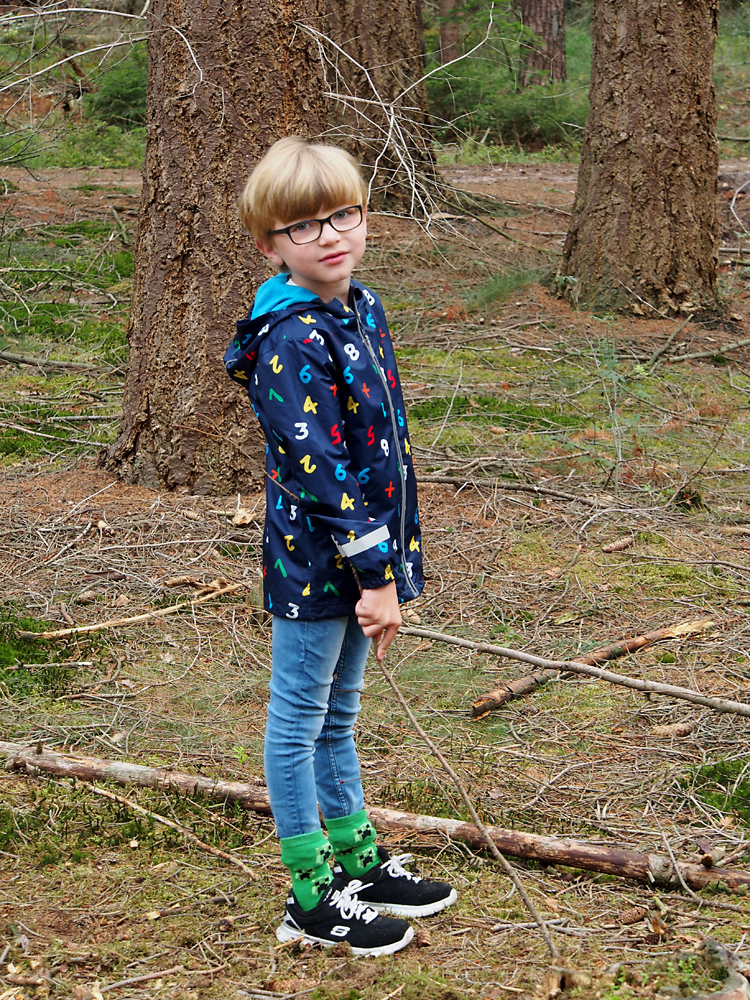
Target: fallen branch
549,850
715,353
63,633
576,667
502,484
485,703
188,834
20,359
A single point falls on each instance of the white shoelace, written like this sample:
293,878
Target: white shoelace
346,902
395,866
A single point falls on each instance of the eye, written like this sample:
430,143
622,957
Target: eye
300,227
344,213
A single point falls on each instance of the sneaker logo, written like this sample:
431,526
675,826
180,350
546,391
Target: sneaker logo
339,931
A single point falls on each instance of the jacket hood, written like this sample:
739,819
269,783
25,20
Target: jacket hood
276,294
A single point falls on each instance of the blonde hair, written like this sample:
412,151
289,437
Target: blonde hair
295,180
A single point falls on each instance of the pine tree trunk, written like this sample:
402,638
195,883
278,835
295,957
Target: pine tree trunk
256,79
449,32
543,60
644,233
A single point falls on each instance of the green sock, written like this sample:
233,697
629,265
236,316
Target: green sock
353,841
307,856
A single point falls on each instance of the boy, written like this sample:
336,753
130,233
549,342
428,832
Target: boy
319,367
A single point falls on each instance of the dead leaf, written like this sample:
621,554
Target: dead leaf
122,601
134,844
657,924
167,657
180,581
153,915
242,516
87,596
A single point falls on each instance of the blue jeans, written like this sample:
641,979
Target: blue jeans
310,756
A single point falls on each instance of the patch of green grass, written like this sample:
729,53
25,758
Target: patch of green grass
502,286
94,145
49,675
725,785
504,412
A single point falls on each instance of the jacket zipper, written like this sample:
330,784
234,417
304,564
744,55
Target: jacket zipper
394,424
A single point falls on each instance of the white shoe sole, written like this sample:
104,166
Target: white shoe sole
413,911
285,933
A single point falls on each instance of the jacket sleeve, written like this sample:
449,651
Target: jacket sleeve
308,411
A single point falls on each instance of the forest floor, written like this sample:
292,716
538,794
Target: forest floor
510,390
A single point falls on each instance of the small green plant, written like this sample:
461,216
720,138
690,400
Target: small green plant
121,97
725,785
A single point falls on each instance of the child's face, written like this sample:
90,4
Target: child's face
324,266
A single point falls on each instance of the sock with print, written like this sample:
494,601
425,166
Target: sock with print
307,856
353,841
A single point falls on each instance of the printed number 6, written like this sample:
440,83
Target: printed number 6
384,446
340,473
303,432
348,377
352,351
304,374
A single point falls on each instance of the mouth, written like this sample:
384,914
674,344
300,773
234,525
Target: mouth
333,258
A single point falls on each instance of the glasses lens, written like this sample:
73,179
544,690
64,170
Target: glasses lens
305,232
346,219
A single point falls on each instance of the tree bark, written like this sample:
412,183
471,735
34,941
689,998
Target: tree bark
543,59
538,847
449,31
256,79
226,80
644,233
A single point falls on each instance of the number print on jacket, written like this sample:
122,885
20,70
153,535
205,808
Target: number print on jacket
323,381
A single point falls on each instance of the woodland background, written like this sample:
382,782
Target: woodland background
584,478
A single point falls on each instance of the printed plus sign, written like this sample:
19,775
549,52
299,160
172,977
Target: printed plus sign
389,489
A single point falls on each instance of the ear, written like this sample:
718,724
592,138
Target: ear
267,248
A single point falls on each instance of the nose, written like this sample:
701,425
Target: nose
328,234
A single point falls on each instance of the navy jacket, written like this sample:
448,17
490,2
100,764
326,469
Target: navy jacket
323,383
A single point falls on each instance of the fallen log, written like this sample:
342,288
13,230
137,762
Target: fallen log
651,868
485,703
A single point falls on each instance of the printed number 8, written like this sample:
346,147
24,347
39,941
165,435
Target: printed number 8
352,351
384,446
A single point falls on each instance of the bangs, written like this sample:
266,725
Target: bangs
296,181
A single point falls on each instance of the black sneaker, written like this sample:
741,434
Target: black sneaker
340,916
390,887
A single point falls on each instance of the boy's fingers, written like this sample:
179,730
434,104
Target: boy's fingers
387,639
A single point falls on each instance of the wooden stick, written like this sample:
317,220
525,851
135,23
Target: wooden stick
673,360
499,696
188,834
548,849
481,828
503,484
652,687
63,633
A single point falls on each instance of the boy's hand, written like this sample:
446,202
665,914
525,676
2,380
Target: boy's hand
378,614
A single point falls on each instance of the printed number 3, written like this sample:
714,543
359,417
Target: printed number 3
303,432
294,613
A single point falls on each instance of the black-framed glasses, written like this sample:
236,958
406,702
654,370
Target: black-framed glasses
342,220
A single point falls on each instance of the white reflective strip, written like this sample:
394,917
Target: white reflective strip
369,541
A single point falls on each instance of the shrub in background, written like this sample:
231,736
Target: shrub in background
121,95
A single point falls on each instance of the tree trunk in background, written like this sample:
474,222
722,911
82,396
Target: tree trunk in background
449,33
385,38
196,268
644,222
543,60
